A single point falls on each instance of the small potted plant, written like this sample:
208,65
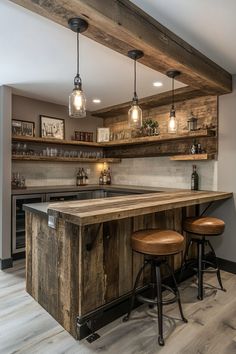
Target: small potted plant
150,127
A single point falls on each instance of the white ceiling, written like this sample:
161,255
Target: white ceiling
208,25
38,58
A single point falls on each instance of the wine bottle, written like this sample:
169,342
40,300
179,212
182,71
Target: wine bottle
194,179
104,179
78,178
101,178
109,176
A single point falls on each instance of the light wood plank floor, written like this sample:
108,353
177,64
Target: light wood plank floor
26,328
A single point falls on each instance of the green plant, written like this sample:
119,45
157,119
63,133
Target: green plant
150,123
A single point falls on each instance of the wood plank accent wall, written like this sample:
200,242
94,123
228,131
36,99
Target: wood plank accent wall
204,108
160,99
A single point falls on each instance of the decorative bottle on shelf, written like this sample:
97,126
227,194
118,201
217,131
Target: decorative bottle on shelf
101,178
78,177
83,177
104,177
194,147
109,176
194,179
86,178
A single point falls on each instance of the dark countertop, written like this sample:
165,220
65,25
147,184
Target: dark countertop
72,188
53,189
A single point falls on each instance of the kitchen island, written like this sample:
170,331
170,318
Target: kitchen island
80,265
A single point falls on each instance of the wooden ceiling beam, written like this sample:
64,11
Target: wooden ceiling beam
122,26
161,99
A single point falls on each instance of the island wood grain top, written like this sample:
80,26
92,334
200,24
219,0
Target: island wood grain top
101,210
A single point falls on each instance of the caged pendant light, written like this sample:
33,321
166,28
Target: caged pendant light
172,123
135,112
77,100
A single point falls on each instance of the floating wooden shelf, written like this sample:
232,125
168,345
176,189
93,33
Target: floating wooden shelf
54,141
196,157
161,138
160,145
142,140
63,159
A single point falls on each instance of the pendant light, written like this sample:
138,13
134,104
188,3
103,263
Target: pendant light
135,112
77,100
172,123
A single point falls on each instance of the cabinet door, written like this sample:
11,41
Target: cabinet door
18,220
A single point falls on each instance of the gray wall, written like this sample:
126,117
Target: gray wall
226,245
5,172
161,172
46,174
25,108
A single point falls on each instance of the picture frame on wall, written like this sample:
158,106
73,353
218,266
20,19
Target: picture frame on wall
52,127
103,135
23,128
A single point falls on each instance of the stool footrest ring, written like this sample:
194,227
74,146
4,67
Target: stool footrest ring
149,301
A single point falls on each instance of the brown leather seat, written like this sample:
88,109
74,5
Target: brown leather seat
204,226
157,242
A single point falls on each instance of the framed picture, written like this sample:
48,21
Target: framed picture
103,135
22,128
51,127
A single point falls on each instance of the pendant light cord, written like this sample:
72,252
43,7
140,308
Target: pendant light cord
77,80
135,81
173,94
78,53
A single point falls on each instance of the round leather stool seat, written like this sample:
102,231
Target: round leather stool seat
204,226
157,242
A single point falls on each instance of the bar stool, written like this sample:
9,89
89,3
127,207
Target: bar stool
155,243
202,227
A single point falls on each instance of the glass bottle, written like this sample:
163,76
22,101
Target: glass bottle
101,178
109,176
194,179
78,177
104,179
83,180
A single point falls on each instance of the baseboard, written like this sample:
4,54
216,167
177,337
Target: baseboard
19,255
227,266
6,263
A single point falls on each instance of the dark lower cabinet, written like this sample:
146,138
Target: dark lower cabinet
18,220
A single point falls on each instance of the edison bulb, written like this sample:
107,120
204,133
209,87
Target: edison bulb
77,104
172,125
135,116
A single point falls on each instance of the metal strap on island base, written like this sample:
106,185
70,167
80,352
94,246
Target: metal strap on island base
52,222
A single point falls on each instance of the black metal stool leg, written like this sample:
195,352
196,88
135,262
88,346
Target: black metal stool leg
153,281
217,266
184,260
177,293
159,305
200,247
126,318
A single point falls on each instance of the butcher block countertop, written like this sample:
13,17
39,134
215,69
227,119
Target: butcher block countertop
93,211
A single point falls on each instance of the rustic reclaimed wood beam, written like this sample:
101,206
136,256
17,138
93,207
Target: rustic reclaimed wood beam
161,99
121,26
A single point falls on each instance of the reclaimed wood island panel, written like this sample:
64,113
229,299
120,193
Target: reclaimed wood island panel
79,261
